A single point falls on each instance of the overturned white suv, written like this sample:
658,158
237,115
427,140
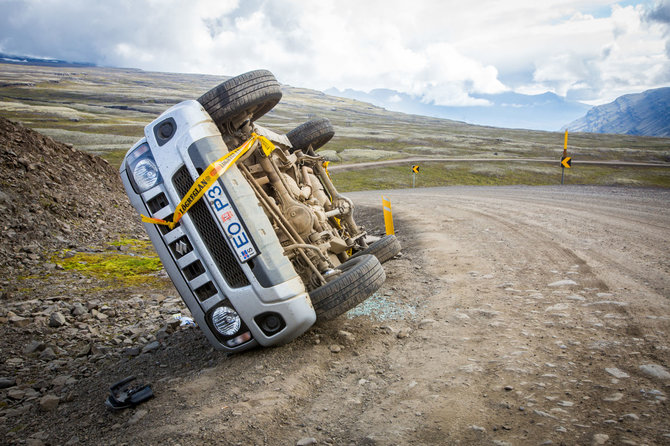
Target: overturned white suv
261,251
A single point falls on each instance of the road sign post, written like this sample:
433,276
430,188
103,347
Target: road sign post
415,170
566,161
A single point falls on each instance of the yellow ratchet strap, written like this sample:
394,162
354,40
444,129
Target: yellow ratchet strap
209,177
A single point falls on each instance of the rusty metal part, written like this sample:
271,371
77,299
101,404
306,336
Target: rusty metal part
281,222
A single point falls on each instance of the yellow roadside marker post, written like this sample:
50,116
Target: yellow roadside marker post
388,216
566,161
415,170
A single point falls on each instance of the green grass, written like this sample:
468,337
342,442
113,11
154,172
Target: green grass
498,174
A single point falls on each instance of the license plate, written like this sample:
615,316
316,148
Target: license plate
232,226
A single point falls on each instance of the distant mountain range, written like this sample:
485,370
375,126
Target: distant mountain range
646,114
510,110
11,58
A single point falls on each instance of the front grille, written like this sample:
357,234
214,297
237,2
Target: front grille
211,234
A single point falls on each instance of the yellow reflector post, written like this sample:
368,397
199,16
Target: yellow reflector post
388,217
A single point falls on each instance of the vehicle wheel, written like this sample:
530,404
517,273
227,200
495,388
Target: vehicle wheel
384,249
316,133
360,278
253,93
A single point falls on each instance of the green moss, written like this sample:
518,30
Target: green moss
136,265
144,247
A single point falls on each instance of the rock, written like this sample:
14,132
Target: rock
84,351
306,441
150,347
600,439
34,346
72,441
137,416
335,348
655,371
21,322
132,351
49,402
98,315
347,337
477,428
617,396
16,394
78,309
162,334
558,307
508,388
619,374
6,383
31,393
268,380
566,282
425,323
56,319
60,380
403,333
576,297
631,416
48,354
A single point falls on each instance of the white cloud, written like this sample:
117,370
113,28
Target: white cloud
446,52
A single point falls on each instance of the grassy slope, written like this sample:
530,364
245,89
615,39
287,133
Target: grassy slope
104,111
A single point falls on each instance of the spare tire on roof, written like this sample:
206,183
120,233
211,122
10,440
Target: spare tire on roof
251,94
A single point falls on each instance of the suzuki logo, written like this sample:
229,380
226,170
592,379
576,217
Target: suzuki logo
181,247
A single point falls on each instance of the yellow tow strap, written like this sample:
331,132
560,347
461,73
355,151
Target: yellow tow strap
209,177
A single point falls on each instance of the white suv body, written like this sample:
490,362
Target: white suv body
232,275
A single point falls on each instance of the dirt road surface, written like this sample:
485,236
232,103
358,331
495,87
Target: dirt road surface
514,315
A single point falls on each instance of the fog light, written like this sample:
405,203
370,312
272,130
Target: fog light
226,321
270,323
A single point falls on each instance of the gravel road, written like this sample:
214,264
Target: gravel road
514,315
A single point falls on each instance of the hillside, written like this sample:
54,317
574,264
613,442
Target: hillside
53,196
646,114
104,111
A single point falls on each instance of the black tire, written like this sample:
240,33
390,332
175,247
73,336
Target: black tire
255,93
361,277
384,249
316,133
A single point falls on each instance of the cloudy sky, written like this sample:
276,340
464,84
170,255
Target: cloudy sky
442,51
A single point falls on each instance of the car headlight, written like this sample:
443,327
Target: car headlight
146,174
142,169
226,321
